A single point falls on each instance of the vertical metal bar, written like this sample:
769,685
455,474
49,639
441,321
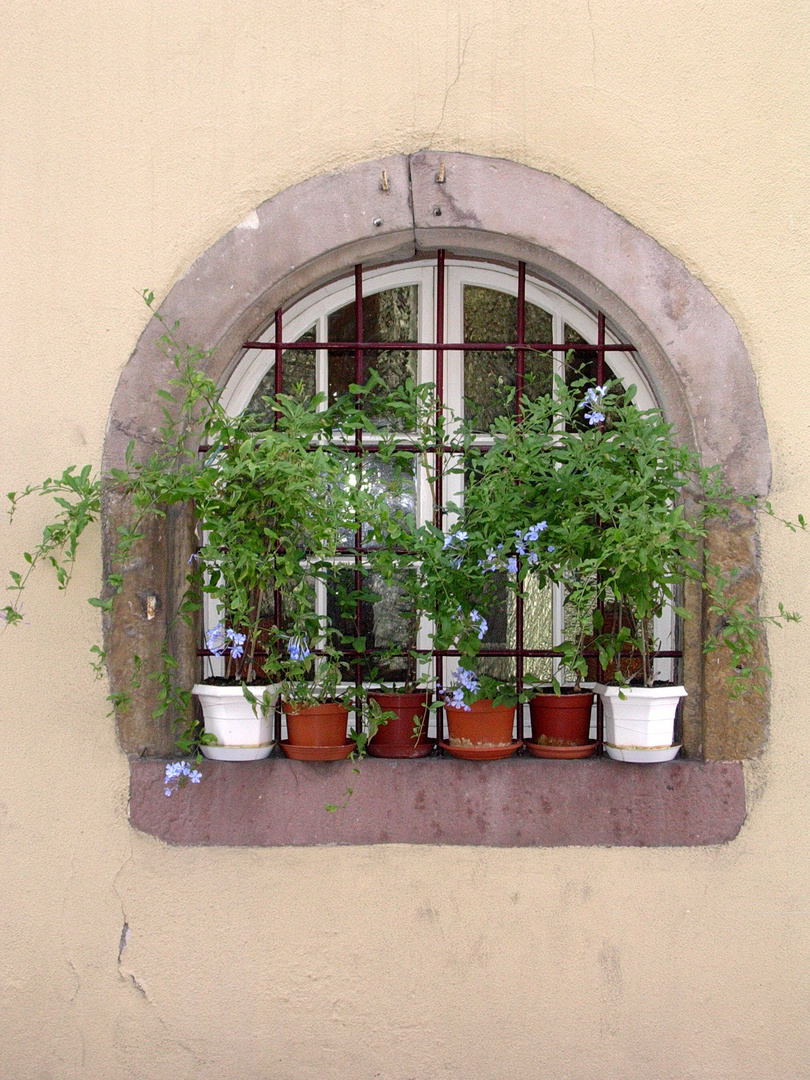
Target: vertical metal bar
521,337
600,381
279,351
277,384
600,341
439,459
519,383
358,442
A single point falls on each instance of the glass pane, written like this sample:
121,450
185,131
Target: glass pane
297,379
582,364
395,481
537,630
387,316
389,630
500,616
489,377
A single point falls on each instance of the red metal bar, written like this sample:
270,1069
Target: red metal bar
600,381
600,342
439,492
279,349
358,449
519,382
278,376
454,346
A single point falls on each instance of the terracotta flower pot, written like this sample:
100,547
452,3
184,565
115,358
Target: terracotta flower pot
395,738
483,725
317,725
561,719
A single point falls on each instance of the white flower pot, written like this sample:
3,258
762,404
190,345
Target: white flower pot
643,717
241,733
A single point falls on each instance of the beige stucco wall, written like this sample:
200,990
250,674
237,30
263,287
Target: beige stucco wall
133,136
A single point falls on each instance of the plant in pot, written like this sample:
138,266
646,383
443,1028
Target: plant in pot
538,536
316,713
271,498
652,504
457,591
268,504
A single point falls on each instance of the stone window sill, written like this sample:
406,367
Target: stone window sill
515,803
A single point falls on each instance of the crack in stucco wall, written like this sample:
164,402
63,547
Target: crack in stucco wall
449,88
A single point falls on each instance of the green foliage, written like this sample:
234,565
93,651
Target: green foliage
611,510
77,494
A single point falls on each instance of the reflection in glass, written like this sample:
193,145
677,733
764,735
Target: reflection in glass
387,316
389,630
489,377
297,379
537,630
395,481
502,634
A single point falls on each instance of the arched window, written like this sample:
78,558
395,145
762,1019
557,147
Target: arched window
437,304
587,272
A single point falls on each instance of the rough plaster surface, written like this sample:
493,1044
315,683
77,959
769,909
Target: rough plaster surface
134,137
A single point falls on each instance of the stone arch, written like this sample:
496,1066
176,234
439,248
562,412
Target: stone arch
387,210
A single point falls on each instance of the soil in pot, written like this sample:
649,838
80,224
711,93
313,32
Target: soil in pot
317,725
484,724
396,737
561,719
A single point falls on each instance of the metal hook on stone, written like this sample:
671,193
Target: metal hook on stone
440,177
384,183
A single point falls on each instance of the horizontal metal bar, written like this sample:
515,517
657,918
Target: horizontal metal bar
671,654
466,346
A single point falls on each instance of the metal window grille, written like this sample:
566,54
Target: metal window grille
596,350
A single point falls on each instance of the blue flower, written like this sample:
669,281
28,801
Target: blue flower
456,699
533,533
467,679
178,774
511,564
482,623
215,639
237,643
298,648
593,399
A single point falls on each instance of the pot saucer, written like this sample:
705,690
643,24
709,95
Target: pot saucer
482,753
643,753
409,751
317,753
543,750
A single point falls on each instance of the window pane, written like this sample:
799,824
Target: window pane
387,316
582,363
500,615
490,315
395,481
537,629
389,631
297,379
